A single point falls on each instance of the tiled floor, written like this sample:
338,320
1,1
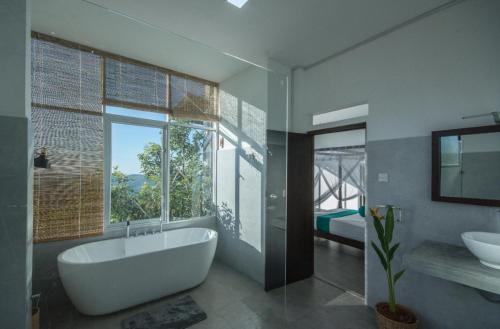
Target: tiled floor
233,301
339,264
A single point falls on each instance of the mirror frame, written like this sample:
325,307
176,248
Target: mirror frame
436,164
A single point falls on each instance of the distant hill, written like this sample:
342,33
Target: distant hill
135,181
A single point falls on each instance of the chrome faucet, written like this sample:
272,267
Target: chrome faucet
128,229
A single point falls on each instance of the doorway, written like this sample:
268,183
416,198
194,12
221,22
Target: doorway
339,207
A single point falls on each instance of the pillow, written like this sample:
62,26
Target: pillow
361,211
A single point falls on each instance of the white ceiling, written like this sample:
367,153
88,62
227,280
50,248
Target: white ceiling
86,24
293,32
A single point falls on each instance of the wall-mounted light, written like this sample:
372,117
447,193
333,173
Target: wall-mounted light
237,3
41,159
496,116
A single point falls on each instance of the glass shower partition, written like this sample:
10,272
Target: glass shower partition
246,154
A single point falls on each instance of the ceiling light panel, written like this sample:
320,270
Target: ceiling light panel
237,3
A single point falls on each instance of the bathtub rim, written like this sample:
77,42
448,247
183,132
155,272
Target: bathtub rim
60,260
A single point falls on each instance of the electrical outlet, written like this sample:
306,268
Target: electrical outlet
383,177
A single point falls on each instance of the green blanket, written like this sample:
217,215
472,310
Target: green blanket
323,221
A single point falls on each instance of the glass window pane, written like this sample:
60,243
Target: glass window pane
190,191
136,113
136,153
200,123
339,178
450,151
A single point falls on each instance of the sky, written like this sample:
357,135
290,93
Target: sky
128,140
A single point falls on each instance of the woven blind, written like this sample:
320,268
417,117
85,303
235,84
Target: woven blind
66,118
70,84
65,78
193,99
136,86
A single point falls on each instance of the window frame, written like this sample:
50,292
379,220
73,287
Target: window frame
110,119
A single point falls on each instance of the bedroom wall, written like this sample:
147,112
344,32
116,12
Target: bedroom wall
420,78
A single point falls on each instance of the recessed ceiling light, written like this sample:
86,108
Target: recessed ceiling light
237,3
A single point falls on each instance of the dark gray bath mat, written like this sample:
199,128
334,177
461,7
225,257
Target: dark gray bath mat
179,313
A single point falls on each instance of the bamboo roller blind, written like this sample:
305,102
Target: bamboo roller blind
70,84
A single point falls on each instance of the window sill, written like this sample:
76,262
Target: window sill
154,223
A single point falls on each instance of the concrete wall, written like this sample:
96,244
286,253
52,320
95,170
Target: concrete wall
420,78
439,303
279,96
16,165
241,172
340,139
423,77
251,102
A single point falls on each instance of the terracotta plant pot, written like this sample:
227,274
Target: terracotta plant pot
35,318
402,319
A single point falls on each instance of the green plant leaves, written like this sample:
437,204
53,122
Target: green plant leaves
392,250
380,255
398,275
381,234
386,252
389,225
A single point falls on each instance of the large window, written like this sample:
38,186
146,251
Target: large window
142,148
340,170
191,168
104,120
136,162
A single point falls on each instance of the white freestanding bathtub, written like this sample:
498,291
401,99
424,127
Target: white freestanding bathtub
110,275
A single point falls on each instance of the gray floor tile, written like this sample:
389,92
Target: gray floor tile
233,301
339,264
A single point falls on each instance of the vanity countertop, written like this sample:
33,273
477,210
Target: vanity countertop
453,263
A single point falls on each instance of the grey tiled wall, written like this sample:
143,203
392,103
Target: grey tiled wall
439,303
15,222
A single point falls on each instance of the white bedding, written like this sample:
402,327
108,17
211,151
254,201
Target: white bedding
352,226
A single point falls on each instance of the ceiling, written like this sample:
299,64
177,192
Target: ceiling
184,34
96,27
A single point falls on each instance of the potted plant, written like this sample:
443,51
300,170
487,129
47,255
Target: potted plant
390,315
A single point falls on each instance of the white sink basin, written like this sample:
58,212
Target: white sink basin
485,246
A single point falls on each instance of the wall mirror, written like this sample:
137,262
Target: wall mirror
466,165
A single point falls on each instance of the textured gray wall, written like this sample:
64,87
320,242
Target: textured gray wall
15,166
241,172
15,222
439,303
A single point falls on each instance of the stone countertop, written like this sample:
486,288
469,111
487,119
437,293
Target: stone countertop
453,263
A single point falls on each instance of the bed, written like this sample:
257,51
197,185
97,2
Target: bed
348,228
